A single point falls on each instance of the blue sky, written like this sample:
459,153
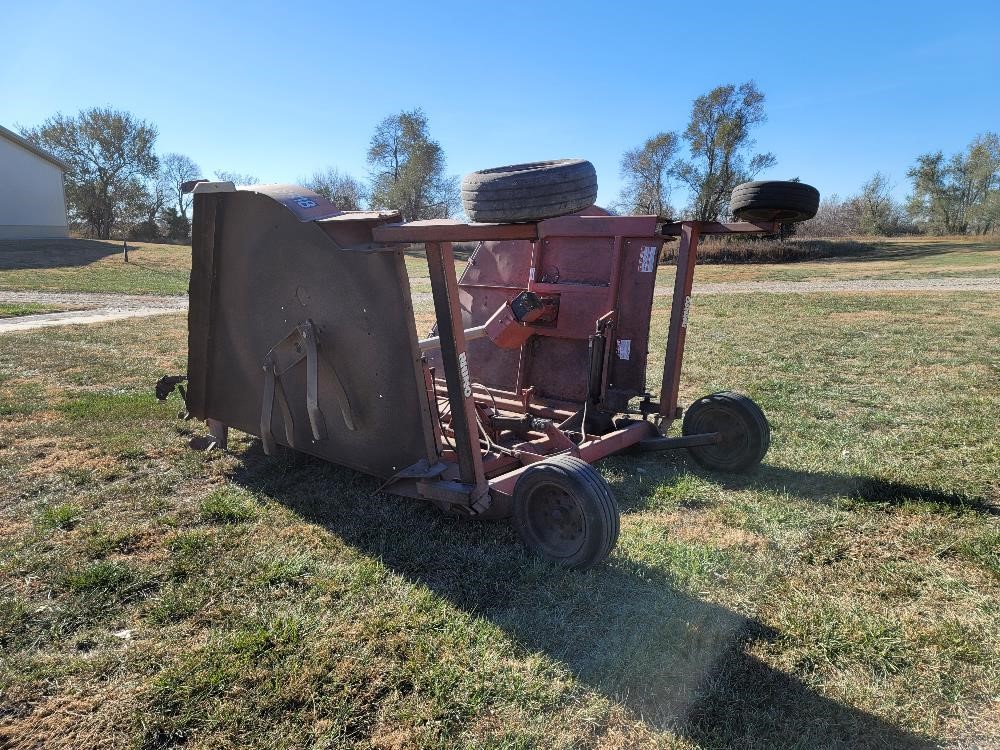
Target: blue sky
280,89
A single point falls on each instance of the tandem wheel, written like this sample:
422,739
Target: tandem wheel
563,510
746,435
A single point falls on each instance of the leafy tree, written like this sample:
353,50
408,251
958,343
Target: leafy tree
237,178
176,223
110,154
960,194
342,190
648,171
407,169
719,135
176,169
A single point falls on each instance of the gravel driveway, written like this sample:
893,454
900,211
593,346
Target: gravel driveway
102,308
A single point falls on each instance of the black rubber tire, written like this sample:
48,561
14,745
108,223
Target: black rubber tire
745,430
774,201
586,510
529,192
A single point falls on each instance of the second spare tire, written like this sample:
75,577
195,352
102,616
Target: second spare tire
529,192
774,200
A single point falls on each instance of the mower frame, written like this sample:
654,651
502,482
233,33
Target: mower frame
477,480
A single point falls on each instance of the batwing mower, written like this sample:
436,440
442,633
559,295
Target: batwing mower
302,332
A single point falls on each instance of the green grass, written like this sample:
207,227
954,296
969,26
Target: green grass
843,595
885,258
94,266
18,309
61,516
227,506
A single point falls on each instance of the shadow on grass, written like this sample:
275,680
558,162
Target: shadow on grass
817,486
59,253
624,629
881,250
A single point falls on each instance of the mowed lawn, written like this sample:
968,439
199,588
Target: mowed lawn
94,266
98,265
885,258
846,594
18,309
76,265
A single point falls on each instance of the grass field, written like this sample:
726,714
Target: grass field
94,266
886,258
97,266
17,309
846,594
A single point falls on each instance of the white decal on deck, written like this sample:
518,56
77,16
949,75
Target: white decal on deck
463,368
647,259
624,348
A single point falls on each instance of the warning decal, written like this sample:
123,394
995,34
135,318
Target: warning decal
647,259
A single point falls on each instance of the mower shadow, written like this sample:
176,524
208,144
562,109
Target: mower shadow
54,253
624,629
817,486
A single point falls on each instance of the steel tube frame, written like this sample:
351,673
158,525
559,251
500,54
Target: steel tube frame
453,338
680,307
454,358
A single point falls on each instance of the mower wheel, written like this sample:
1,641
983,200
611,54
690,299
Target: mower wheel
529,192
746,435
774,201
564,511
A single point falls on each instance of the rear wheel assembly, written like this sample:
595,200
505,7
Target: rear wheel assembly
774,200
529,192
564,511
745,433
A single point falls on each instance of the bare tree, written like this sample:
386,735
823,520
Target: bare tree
237,178
648,171
176,169
835,218
719,136
407,169
110,154
876,210
341,189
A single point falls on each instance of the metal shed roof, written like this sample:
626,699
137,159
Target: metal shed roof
10,135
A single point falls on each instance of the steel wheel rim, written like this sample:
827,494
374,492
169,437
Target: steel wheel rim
555,520
735,442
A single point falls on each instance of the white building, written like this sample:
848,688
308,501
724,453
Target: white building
32,201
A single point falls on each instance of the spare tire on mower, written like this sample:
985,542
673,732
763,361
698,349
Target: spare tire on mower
529,192
774,201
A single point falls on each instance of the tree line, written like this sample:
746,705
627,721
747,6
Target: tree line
118,185
958,194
